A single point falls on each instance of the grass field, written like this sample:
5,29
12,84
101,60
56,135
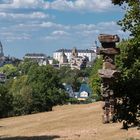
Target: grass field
68,122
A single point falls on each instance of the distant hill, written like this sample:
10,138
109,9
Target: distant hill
68,122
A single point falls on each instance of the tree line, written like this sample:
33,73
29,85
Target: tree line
31,88
127,88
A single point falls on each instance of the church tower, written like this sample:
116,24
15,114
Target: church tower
63,58
74,52
1,50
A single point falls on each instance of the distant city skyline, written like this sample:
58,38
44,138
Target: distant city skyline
44,26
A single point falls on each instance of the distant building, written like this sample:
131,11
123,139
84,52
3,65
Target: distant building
84,92
69,90
50,61
6,59
91,54
74,52
63,59
40,58
78,62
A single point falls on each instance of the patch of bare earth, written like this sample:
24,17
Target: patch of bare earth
68,122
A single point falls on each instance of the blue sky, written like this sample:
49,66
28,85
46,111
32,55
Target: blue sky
43,26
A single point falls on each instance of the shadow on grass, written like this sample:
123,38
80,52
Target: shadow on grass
31,138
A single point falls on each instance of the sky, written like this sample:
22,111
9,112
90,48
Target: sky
44,26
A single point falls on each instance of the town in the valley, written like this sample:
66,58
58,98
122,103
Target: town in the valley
73,58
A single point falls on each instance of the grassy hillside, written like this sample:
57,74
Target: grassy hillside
69,122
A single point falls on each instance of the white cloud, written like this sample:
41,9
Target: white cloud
60,29
49,24
34,15
102,27
57,35
38,15
60,33
62,5
87,33
83,32
23,4
80,33
107,24
49,38
84,26
81,5
54,25
8,36
40,25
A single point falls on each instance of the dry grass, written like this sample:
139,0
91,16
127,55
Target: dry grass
69,122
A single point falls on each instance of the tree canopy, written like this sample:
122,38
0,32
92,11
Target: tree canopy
34,89
131,20
128,86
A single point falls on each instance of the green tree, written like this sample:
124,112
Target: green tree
46,86
10,70
128,86
22,95
95,80
24,66
131,20
5,101
73,77
35,89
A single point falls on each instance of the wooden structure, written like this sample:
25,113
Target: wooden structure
108,73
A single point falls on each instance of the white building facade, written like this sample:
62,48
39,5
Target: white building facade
91,54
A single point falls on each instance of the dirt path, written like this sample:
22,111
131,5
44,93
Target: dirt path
69,122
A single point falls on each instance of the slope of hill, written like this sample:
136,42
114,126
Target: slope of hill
68,122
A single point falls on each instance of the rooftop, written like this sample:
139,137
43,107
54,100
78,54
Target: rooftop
79,51
35,54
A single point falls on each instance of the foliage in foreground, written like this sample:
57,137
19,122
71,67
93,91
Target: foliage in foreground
34,89
31,88
5,101
128,86
95,80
